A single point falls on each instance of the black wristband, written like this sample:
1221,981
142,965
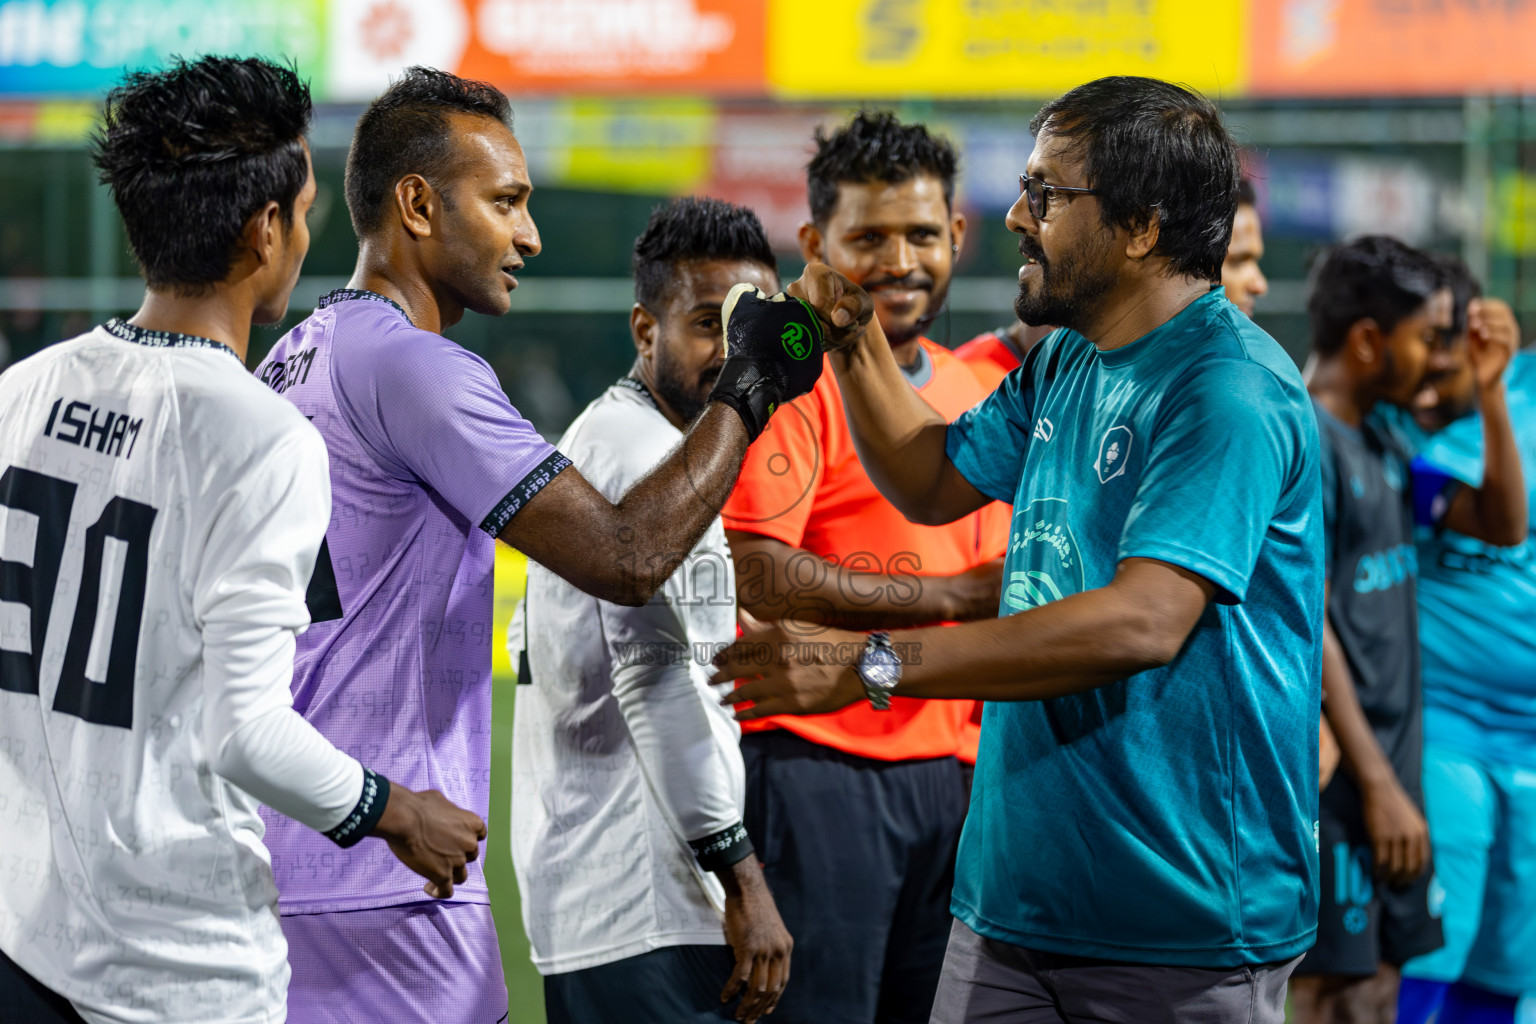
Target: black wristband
722,849
365,815
754,395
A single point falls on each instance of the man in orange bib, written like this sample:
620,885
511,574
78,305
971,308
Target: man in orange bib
857,814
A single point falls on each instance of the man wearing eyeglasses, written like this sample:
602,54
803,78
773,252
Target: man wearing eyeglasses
1140,844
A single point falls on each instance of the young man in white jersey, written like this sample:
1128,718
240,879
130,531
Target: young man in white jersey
160,512
628,781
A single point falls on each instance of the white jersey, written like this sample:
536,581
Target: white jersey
622,753
160,511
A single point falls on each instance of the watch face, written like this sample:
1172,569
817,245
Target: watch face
881,667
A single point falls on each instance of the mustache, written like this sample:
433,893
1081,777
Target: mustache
1030,249
910,281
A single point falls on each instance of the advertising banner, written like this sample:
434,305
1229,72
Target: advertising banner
553,46
1391,47
956,48
58,47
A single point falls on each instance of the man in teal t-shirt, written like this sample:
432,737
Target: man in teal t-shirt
1140,844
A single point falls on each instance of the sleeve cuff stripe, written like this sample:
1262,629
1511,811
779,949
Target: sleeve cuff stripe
720,850
537,479
365,815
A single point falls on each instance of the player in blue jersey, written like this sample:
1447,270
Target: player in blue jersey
1381,317
1140,839
1477,604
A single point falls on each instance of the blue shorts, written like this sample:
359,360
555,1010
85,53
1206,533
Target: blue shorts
1482,824
425,961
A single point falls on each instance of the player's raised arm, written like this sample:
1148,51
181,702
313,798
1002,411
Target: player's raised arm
1494,512
623,552
899,437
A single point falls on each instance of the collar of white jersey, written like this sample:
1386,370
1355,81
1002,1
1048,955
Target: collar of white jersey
160,339
635,384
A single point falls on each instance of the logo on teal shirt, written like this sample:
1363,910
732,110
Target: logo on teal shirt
1114,450
1044,560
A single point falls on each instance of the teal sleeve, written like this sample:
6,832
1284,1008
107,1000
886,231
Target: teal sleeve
1227,442
988,442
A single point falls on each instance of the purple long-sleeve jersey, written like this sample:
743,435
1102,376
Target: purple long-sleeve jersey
428,462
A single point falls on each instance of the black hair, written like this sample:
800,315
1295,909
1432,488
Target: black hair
694,228
191,152
1372,278
1464,288
1145,144
875,146
1246,195
406,131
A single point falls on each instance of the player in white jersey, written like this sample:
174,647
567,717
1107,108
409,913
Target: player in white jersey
160,512
642,896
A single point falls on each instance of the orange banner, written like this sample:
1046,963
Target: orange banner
1398,47
713,46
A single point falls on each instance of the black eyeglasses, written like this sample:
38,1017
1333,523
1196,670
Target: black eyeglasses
1038,194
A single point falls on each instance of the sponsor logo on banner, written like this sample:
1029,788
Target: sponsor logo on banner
559,45
901,48
1414,47
83,46
373,41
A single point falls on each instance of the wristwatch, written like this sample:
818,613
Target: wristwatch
879,669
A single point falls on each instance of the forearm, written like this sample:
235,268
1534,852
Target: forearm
775,580
1051,651
899,437
623,552
1359,752
1500,502
743,879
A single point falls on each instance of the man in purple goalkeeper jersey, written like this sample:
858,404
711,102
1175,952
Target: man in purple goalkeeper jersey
429,463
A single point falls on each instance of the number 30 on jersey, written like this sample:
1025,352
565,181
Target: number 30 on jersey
108,701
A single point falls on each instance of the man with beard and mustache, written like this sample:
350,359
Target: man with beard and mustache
993,354
1140,842
627,773
858,814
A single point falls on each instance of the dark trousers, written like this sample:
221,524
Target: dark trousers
672,985
24,1000
860,855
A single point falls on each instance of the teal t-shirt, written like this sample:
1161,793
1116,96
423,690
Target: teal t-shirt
1477,602
1168,818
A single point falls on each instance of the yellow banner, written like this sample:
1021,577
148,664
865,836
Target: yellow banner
1029,48
651,145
